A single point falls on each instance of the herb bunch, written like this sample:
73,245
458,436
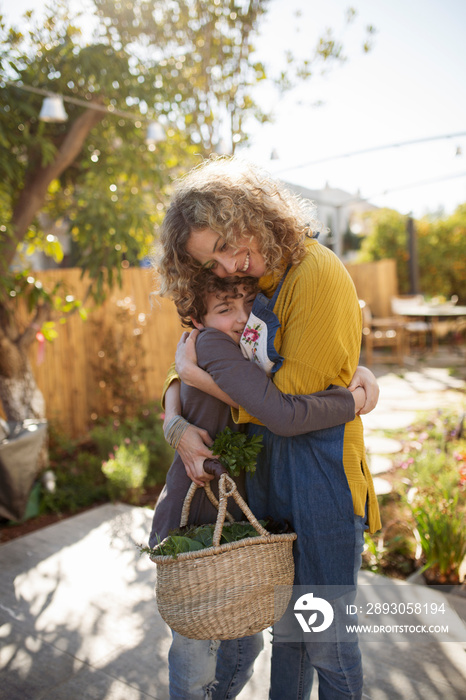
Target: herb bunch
237,451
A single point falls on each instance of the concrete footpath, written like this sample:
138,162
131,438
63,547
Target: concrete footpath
78,618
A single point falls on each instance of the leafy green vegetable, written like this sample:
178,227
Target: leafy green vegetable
198,537
184,544
238,531
237,451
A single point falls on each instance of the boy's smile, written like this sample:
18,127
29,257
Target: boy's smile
227,313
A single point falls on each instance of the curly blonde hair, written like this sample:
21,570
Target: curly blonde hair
233,198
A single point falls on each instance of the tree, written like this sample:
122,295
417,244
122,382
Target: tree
189,65
388,239
442,255
441,247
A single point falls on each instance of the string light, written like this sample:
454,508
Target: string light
371,150
420,183
53,105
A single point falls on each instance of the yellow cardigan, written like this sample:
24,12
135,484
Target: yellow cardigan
320,338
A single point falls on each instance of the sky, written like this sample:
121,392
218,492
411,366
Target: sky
411,86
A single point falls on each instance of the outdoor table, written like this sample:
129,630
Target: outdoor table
432,313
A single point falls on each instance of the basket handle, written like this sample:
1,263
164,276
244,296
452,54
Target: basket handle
227,488
189,497
216,468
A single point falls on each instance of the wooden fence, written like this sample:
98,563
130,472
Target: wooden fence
376,283
122,352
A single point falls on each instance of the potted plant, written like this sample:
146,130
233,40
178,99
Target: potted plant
436,497
442,532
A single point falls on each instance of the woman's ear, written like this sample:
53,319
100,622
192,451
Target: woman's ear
196,324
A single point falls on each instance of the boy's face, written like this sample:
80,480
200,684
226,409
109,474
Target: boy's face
226,313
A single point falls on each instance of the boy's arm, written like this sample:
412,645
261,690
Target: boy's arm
193,375
249,386
193,448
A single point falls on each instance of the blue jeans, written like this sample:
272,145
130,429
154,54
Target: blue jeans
338,664
211,669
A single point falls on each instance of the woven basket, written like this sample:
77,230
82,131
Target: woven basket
226,591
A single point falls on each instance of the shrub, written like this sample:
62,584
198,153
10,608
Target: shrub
78,484
77,463
145,427
126,471
436,475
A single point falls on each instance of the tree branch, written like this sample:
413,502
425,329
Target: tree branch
33,195
29,334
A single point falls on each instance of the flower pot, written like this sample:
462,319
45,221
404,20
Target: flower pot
433,577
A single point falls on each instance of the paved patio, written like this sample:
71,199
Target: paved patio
78,618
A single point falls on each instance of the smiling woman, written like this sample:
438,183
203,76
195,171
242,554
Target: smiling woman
209,225
229,218
224,259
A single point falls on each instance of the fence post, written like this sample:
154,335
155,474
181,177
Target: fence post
413,259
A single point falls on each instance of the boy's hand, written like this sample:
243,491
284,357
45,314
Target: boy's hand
193,450
359,396
364,378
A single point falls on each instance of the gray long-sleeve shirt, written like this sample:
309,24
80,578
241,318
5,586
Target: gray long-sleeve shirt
248,385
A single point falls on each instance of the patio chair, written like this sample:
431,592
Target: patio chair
415,329
385,333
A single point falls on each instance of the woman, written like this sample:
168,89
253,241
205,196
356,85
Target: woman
230,218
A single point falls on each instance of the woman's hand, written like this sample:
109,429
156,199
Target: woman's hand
186,357
193,450
364,378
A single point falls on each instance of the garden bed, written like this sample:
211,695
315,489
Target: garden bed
424,516
76,481
10,530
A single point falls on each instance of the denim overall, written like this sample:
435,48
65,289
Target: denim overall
301,479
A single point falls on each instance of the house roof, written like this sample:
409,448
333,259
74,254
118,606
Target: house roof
332,196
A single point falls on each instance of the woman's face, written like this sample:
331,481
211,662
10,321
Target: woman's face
214,253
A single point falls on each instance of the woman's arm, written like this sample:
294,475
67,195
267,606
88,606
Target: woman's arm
191,374
249,386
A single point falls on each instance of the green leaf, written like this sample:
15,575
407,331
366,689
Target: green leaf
177,544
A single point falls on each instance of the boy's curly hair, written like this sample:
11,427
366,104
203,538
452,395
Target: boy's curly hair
207,283
233,198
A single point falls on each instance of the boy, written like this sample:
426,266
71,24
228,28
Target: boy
220,311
